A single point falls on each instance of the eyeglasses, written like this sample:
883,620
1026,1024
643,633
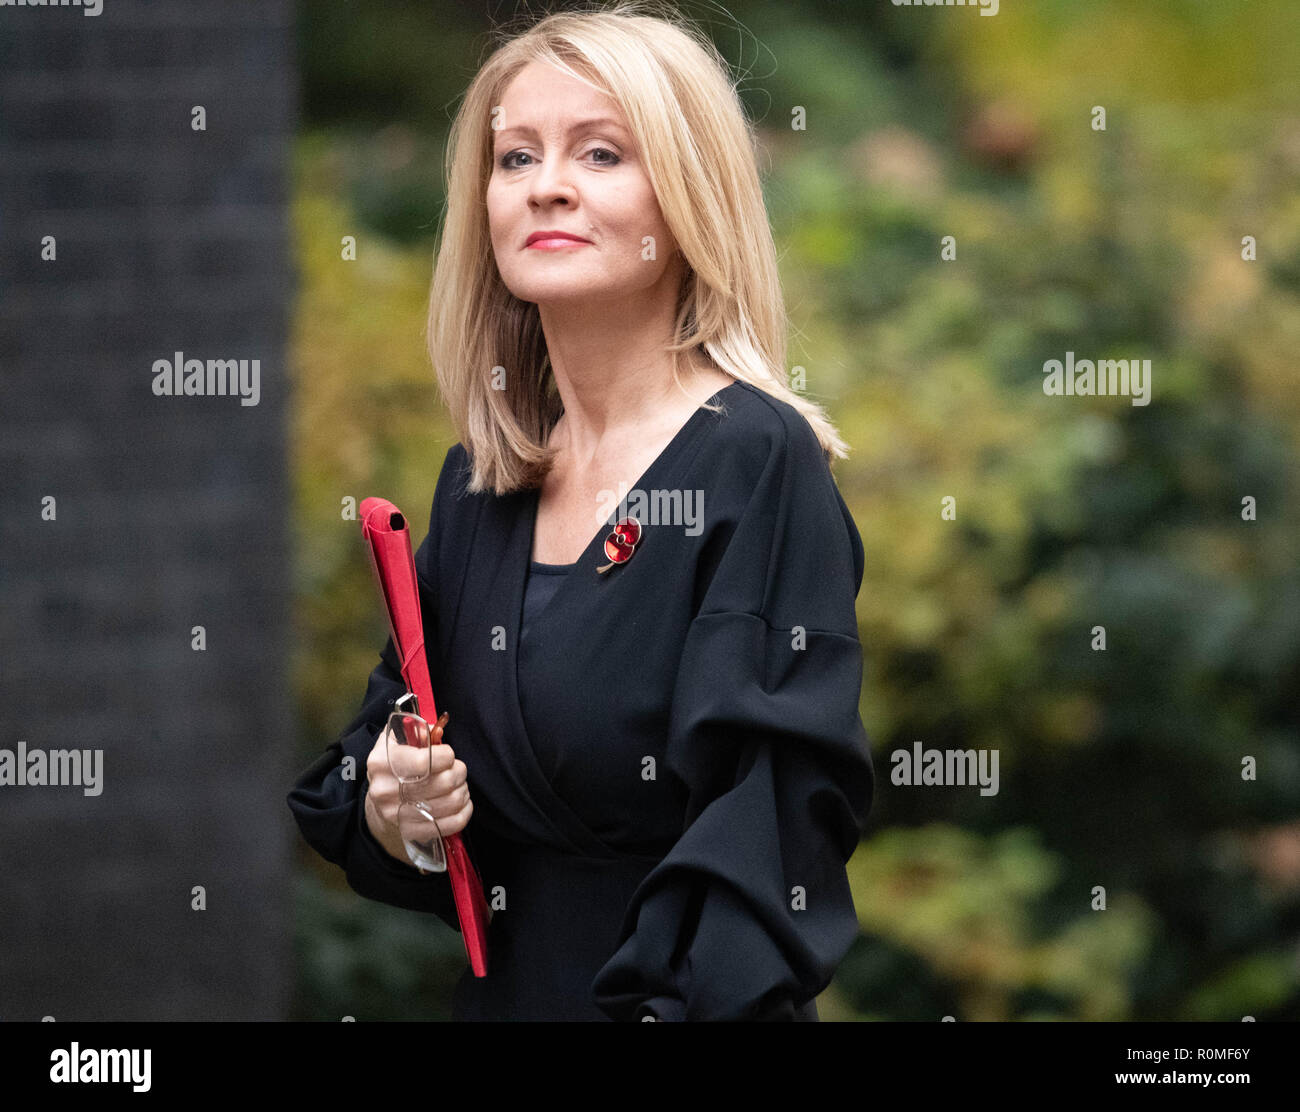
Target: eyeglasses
410,758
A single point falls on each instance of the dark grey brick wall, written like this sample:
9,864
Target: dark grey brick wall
171,512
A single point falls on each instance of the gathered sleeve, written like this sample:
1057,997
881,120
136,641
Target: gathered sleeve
328,799
750,912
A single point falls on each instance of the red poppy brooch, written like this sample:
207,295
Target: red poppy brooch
622,542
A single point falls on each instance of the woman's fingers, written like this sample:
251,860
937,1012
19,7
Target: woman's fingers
428,819
431,776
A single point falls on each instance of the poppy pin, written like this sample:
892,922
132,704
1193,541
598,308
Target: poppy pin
622,542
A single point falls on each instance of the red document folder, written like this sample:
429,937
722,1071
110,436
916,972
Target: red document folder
389,544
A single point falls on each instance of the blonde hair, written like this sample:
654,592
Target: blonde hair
676,94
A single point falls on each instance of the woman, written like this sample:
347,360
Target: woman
658,739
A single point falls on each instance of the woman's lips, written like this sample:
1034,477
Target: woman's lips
553,243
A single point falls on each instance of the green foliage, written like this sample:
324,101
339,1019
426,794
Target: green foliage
966,905
370,961
366,421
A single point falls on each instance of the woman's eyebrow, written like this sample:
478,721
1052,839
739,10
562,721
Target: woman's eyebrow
577,125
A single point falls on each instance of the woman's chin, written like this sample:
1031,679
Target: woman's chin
567,294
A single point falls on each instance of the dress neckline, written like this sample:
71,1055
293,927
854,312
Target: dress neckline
551,569
535,494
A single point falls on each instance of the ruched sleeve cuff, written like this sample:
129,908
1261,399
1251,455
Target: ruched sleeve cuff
748,915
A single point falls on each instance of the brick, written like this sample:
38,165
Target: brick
168,240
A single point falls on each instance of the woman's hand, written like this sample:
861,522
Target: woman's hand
445,795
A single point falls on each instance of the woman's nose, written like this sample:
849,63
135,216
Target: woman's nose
552,183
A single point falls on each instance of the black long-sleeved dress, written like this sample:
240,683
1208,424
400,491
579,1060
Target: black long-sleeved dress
669,772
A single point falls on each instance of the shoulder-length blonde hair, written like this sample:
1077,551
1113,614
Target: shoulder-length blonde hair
676,94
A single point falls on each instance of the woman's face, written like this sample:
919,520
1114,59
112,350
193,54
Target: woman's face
564,161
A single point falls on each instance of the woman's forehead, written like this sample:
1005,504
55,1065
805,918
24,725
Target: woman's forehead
544,91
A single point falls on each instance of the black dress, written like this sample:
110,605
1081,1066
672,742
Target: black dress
670,771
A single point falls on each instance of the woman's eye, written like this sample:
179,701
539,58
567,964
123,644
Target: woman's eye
611,160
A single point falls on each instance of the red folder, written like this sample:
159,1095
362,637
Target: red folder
389,544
